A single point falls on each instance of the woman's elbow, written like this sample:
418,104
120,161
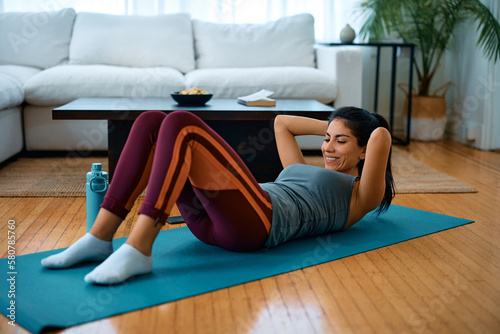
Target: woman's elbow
280,121
281,124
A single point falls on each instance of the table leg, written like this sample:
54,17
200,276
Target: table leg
393,87
118,131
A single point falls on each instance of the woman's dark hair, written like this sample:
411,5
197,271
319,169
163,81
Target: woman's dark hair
362,123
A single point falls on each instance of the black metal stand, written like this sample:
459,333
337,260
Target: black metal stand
394,47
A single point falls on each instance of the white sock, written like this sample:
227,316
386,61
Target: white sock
121,265
87,248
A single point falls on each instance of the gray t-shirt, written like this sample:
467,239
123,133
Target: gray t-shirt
308,201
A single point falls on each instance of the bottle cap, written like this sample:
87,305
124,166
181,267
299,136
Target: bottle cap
97,166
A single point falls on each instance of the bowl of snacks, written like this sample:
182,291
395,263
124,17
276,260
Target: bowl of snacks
192,97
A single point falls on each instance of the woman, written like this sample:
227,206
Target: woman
181,160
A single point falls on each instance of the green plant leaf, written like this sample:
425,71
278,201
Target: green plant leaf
431,25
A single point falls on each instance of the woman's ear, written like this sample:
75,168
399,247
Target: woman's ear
363,153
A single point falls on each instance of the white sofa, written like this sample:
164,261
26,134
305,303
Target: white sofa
48,59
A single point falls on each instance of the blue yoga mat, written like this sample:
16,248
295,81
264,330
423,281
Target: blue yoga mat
184,267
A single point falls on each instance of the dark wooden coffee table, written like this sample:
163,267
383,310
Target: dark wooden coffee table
249,130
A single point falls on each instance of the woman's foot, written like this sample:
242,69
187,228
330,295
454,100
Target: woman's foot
87,248
121,265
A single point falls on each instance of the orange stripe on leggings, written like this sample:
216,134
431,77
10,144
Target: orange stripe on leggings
169,187
238,184
141,185
177,172
222,150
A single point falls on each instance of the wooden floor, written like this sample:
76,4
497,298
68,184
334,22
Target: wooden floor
448,282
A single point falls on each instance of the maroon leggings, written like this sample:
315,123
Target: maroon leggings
183,161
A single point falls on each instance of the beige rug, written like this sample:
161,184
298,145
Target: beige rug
47,177
66,177
412,176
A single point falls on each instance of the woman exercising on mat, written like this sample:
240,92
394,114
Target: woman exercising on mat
182,161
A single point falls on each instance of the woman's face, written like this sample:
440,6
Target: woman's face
340,148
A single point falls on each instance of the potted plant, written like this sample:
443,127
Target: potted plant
430,25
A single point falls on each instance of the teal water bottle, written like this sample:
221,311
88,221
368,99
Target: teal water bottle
97,186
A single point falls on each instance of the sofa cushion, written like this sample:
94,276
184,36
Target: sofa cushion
11,92
136,41
20,73
287,82
38,39
62,84
286,42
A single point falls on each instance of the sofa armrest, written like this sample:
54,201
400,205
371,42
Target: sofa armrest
345,65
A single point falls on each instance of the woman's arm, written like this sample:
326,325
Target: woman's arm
286,128
372,184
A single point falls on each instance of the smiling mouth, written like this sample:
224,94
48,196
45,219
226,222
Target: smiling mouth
331,159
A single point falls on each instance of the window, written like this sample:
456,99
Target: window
330,15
